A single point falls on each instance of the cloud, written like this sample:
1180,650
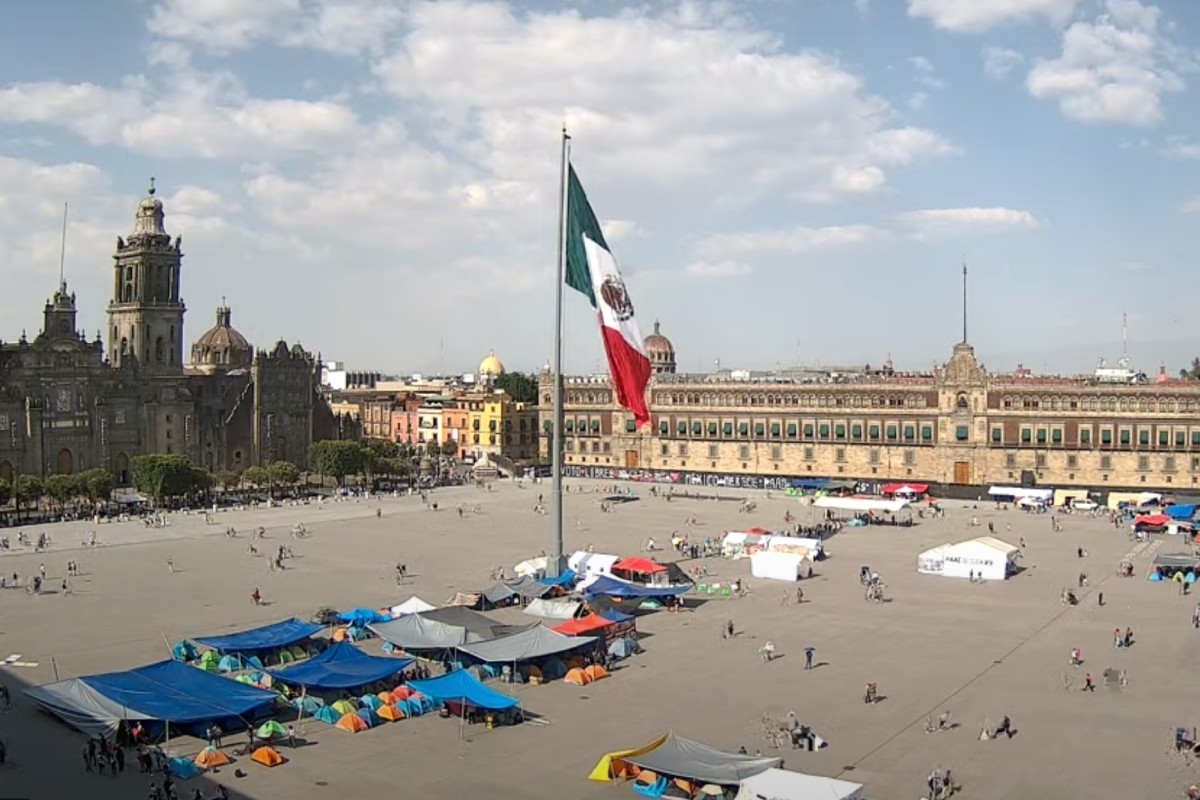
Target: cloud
1191,206
926,74
975,16
717,269
794,240
862,8
616,229
220,25
1112,70
1183,148
999,61
937,223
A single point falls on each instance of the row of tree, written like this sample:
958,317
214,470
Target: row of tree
91,486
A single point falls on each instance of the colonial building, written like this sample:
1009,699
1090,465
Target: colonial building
956,425
66,407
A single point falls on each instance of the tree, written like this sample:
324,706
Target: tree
27,489
61,488
227,479
168,476
258,477
1192,373
5,492
96,484
520,387
395,467
336,458
450,449
282,473
383,448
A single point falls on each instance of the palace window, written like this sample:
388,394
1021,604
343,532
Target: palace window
1085,435
1169,464
1180,439
873,432
1106,462
1041,436
1126,437
683,449
714,451
595,425
1010,460
839,455
910,432
1026,435
1072,461
1106,436
727,429
997,434
808,431
681,428
712,429
1144,438
856,431
1195,438
665,449
1164,438
809,453
744,429
791,430
1039,460
927,433
910,458
1195,464
569,426
744,452
891,431
824,431
776,429
760,429
1056,435
697,428
839,431
873,456
664,428
776,452
962,433
1143,463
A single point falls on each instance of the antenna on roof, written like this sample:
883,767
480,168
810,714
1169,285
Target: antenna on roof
964,304
62,253
1124,340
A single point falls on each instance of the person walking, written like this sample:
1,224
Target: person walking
767,651
808,657
170,565
1088,684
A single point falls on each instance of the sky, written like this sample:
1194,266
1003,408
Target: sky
782,181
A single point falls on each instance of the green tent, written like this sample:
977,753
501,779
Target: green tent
210,657
244,679
270,730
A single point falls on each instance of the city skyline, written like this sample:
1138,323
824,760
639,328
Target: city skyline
781,183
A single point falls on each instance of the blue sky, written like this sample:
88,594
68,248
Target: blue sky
781,179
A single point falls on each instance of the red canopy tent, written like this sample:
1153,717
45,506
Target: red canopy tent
1153,520
908,488
641,565
592,623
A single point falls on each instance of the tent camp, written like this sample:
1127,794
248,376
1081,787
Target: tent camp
591,625
536,642
413,605
440,629
905,490
683,758
612,587
861,504
1182,512
481,625
780,566
168,692
986,556
499,595
780,784
587,565
1010,493
462,686
740,544
268,637
341,666
554,609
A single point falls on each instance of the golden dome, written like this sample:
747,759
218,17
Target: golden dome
491,366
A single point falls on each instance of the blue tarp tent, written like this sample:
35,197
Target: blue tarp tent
565,578
183,768
1180,512
461,685
810,483
362,617
612,587
168,691
184,651
268,637
342,666
612,615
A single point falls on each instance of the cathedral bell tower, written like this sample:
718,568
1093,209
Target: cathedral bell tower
145,315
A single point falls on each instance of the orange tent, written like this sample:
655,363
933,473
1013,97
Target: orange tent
402,693
577,677
339,635
390,713
211,758
352,722
268,757
386,697
595,672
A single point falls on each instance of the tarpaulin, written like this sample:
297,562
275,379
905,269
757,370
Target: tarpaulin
268,637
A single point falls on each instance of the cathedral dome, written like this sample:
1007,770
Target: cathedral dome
491,366
222,345
660,350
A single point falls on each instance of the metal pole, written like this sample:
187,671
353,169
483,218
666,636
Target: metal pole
964,303
554,564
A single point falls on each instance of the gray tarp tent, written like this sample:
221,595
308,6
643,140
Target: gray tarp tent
684,758
501,594
536,642
529,587
554,609
780,784
82,707
412,632
481,625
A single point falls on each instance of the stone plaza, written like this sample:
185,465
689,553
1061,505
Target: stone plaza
978,650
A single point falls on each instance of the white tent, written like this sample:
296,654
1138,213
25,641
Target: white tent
779,566
532,566
413,605
553,609
739,544
796,544
861,504
1045,495
987,556
932,561
781,784
589,565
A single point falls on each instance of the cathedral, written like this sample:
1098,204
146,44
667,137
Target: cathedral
68,405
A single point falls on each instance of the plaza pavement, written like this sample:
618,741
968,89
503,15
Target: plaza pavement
978,650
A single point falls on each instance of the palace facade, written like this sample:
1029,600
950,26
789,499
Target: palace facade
959,425
68,405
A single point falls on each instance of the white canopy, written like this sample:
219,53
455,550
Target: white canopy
781,784
795,544
532,566
985,556
553,609
861,504
933,560
779,566
413,605
1021,491
585,564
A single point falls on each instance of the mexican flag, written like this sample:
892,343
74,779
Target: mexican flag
592,270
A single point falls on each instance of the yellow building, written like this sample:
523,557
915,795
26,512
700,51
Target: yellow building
497,425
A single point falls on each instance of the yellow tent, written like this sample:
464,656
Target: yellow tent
604,768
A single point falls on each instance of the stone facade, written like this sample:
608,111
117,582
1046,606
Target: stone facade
65,407
959,425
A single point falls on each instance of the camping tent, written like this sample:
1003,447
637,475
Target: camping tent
780,784
911,490
501,594
414,632
481,625
684,758
413,605
463,686
361,617
986,556
530,588
268,637
553,609
638,565
168,691
779,566
536,642
341,666
608,585
587,565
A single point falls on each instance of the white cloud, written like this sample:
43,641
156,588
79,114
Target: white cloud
717,269
926,73
1114,69
1192,205
937,223
617,229
795,240
1180,147
999,61
974,16
348,27
221,24
917,100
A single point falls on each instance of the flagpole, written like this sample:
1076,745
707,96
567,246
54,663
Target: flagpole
554,564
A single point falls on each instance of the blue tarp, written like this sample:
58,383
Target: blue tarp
342,666
810,483
612,615
268,637
463,686
1180,512
565,578
362,617
607,585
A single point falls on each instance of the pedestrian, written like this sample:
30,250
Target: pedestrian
728,629
1117,640
767,651
119,753
1128,637
170,565
87,759
1088,684
808,657
291,735
1100,598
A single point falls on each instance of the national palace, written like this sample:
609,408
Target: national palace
958,425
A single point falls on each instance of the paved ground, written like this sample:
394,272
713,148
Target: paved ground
979,650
